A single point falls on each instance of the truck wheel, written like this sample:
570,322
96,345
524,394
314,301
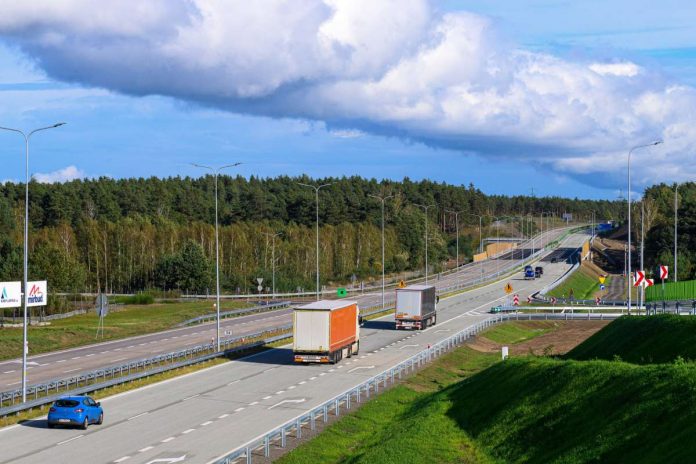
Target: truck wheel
357,348
434,320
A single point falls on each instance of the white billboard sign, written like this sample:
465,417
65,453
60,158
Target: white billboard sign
10,294
38,293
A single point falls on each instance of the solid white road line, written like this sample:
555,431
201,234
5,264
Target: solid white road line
69,440
139,415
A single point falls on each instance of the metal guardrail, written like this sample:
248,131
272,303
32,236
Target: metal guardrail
233,313
279,435
114,375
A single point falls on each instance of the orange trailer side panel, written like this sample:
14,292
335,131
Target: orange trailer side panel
343,326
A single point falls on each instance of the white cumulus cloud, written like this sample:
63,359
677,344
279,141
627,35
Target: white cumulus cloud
61,175
391,67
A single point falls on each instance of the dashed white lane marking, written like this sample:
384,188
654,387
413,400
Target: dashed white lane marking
8,372
313,378
72,370
131,346
239,409
122,459
191,397
147,448
76,357
322,374
118,359
341,367
101,352
206,423
266,397
254,403
291,387
166,440
280,392
87,356
223,416
187,431
332,370
302,383
14,383
139,415
69,440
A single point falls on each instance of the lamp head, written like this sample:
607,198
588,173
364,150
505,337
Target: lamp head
59,124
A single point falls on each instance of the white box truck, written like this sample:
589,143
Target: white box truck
416,307
326,331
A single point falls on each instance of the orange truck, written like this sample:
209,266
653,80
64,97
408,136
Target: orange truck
416,307
326,331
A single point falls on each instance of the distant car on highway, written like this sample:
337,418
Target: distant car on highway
496,309
554,259
79,411
529,273
538,271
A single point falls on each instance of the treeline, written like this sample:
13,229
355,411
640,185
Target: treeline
658,215
132,234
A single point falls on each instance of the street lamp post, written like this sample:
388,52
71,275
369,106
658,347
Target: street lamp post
273,237
425,209
456,224
382,200
216,174
480,235
628,263
676,205
25,342
316,191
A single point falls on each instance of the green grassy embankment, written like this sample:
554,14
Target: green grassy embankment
387,429
584,282
642,339
468,407
81,330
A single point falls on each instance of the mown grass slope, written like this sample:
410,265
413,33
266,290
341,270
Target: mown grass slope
538,410
642,340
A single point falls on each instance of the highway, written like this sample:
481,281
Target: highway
67,363
201,416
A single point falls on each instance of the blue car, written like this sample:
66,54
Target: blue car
75,410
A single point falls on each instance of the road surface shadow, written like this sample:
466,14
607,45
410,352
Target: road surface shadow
379,325
34,423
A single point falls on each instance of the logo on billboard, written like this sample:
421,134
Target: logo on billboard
36,296
10,294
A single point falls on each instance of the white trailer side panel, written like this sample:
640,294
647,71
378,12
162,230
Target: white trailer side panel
311,331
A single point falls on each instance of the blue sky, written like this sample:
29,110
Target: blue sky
114,134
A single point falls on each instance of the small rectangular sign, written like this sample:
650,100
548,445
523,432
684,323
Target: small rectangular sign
10,294
38,293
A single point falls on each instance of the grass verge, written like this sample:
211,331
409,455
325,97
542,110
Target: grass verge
583,282
642,339
518,331
81,330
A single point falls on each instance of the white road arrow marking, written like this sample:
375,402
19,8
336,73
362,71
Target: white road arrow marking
301,400
361,367
406,346
179,459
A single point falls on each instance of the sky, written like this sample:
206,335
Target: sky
512,96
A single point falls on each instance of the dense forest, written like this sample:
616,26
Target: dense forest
658,214
128,235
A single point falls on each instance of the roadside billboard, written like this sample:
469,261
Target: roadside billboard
38,293
10,294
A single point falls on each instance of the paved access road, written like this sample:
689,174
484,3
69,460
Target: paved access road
203,415
65,364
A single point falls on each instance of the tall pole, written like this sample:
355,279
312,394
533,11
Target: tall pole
316,192
425,208
273,237
216,173
382,200
25,341
642,249
628,261
676,205
456,223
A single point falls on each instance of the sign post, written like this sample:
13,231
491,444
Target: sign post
664,274
101,306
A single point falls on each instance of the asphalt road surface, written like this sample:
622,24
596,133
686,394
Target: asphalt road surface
64,364
202,416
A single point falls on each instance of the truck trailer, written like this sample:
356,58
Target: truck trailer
326,331
416,307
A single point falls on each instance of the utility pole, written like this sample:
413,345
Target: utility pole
382,200
273,261
456,223
316,191
25,299
425,209
216,174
